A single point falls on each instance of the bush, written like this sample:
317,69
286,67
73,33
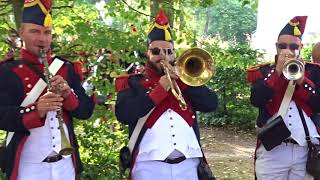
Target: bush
230,84
100,140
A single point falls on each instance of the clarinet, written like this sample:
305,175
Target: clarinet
66,148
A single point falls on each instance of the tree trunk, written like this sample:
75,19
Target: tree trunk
17,6
166,5
182,22
206,26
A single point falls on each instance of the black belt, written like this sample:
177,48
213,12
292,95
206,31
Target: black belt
174,161
51,159
290,141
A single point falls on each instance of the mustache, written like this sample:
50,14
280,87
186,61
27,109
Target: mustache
157,61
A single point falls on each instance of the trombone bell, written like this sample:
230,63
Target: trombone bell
195,67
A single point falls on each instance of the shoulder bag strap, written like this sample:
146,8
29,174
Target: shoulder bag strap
305,127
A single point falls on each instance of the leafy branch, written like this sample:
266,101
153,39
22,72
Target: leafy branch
130,7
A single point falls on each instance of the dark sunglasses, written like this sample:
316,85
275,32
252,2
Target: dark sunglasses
292,46
156,51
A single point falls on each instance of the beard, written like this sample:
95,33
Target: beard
156,66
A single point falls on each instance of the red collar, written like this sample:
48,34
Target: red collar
26,55
152,74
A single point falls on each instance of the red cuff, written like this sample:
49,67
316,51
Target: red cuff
275,82
305,90
158,94
71,102
32,120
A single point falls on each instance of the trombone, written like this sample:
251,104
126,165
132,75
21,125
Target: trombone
195,68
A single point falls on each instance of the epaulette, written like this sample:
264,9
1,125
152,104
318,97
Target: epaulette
254,73
312,64
122,81
76,66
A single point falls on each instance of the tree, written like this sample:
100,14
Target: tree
231,21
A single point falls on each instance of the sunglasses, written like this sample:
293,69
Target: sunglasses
156,51
292,46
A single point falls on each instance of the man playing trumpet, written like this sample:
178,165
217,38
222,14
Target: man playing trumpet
271,84
29,111
167,146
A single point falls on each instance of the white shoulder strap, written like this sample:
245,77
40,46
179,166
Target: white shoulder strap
41,84
137,130
286,99
37,90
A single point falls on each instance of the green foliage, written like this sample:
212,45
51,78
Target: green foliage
307,51
231,22
253,4
229,82
100,140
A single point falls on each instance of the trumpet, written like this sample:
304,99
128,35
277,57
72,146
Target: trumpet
195,68
293,69
66,148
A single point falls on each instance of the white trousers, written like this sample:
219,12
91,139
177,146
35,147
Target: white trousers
60,170
157,170
284,162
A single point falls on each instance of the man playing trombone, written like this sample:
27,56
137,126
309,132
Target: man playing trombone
287,95
167,144
40,95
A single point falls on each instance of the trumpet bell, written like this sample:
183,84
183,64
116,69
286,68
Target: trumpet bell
293,69
195,67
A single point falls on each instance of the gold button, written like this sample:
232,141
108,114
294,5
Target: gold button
20,66
28,110
27,78
29,86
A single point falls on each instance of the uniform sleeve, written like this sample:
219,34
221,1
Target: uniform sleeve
202,98
78,103
263,90
13,117
135,102
309,90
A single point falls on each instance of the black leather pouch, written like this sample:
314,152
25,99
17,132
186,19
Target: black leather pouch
3,152
273,133
125,158
313,162
204,171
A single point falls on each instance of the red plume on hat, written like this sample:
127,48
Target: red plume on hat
160,29
161,18
47,4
